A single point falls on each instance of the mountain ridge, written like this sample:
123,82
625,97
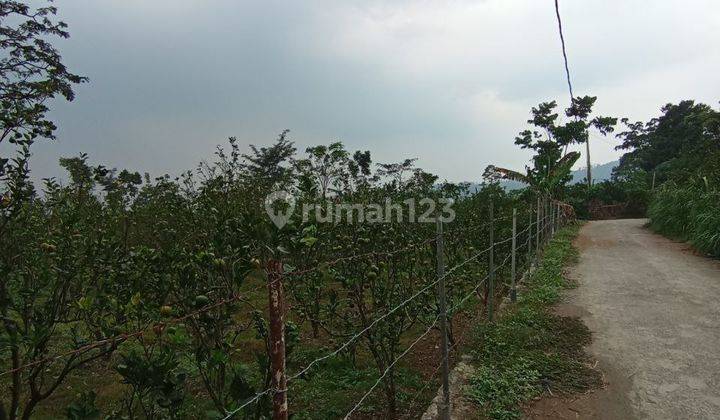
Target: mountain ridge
600,173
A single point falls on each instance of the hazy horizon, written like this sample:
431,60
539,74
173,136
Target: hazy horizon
450,84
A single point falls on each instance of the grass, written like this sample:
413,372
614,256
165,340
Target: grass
333,390
690,214
531,350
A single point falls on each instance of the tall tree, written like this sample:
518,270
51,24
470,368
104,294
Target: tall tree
578,130
550,141
675,145
31,70
31,74
328,165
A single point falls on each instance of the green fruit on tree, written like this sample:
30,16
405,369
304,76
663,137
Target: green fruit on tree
201,300
166,310
48,247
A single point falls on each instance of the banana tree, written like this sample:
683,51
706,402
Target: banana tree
546,183
550,140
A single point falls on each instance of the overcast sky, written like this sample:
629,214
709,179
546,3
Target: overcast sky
450,83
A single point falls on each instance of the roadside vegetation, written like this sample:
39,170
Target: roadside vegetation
670,173
531,351
681,149
690,213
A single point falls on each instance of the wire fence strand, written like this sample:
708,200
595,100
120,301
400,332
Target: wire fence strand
407,350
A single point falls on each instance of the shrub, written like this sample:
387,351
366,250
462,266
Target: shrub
689,213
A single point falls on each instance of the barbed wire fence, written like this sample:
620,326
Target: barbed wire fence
544,220
551,215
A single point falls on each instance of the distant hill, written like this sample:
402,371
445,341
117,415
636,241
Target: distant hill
600,173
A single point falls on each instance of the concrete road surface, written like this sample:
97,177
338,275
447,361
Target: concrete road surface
654,308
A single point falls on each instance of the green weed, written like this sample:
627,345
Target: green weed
530,350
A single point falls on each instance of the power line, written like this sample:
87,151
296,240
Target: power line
564,52
572,96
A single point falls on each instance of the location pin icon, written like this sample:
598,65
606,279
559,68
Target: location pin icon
280,216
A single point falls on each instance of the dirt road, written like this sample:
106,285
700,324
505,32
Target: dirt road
654,309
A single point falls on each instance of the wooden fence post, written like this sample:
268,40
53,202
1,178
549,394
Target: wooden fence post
277,340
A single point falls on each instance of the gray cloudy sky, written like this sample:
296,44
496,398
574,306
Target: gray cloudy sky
450,83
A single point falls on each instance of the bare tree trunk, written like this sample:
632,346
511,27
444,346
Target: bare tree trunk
315,322
451,335
390,394
315,328
15,389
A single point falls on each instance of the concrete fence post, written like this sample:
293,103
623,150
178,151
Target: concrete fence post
491,264
537,229
444,408
513,290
